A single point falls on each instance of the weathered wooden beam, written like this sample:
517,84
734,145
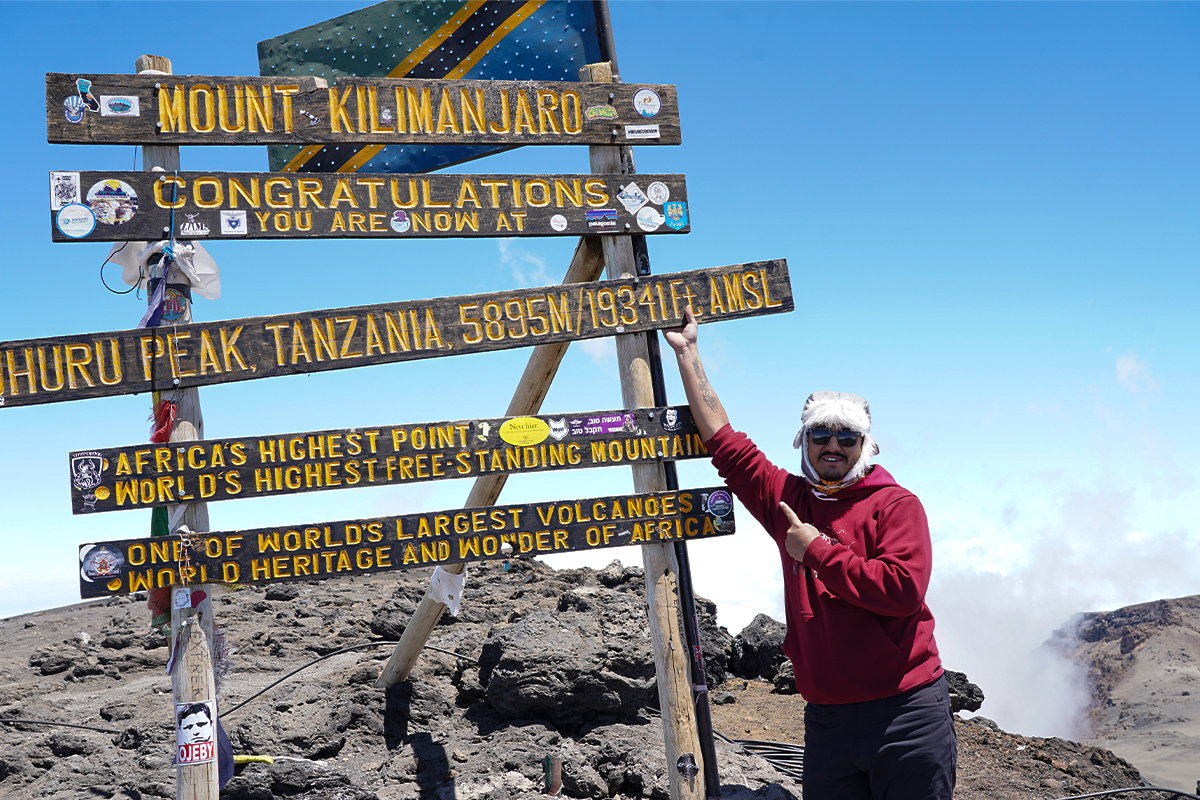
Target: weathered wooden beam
192,681
74,367
142,475
326,550
659,562
122,206
89,108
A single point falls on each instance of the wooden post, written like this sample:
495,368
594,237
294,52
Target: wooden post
192,679
586,265
658,560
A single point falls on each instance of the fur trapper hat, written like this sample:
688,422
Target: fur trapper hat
840,411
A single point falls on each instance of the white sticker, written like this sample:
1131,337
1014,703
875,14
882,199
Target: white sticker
558,222
119,106
233,223
75,220
641,131
647,103
181,597
400,222
196,732
191,229
658,192
64,189
649,218
632,198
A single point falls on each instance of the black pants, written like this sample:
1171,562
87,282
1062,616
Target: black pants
897,748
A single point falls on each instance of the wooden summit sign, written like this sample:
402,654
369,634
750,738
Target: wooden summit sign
143,475
221,110
148,206
381,544
57,369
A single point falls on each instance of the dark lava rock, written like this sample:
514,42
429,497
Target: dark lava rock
51,663
294,780
154,640
758,649
69,744
547,667
964,695
283,591
392,617
784,681
715,643
117,641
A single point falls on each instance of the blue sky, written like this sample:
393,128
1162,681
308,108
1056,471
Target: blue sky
990,212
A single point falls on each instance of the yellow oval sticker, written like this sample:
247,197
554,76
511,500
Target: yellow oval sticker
524,431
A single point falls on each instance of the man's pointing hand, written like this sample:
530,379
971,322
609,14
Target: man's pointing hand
799,534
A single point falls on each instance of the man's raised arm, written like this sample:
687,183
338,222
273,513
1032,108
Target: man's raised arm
706,407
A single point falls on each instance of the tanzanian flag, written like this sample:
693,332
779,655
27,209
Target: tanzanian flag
478,39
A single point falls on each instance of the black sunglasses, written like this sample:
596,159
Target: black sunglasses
821,437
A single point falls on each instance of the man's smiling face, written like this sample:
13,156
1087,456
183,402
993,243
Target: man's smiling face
831,460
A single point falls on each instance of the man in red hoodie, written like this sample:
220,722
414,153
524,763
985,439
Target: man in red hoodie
856,559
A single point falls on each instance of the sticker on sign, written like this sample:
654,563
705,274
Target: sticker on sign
641,132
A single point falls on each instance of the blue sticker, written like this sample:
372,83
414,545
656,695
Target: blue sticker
400,222
601,219
720,503
73,108
75,220
676,212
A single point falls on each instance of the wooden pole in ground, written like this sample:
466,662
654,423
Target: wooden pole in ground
192,679
586,265
659,562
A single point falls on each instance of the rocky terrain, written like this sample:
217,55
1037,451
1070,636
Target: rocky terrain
1143,673
539,663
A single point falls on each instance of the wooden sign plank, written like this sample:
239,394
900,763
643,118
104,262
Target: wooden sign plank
88,108
381,544
57,369
137,476
148,206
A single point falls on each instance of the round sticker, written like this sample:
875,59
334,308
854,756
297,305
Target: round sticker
646,102
73,109
524,431
720,503
174,304
649,218
112,201
658,192
100,561
75,220
400,222
558,222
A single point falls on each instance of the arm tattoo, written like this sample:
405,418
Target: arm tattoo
706,392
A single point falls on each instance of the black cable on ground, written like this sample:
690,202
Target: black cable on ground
251,697
330,655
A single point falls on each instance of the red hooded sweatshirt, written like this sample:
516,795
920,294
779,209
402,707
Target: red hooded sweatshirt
858,627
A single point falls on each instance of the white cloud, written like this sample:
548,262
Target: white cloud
1134,375
602,351
999,594
527,268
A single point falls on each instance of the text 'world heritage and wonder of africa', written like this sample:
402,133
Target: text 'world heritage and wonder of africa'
355,547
